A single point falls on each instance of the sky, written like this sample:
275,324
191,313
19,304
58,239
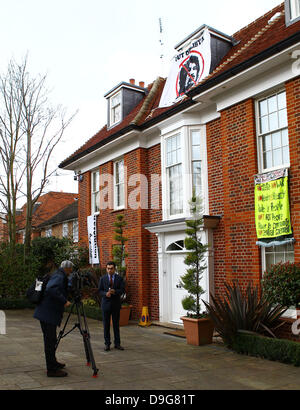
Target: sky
87,47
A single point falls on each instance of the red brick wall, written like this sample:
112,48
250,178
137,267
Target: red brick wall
232,164
293,101
142,265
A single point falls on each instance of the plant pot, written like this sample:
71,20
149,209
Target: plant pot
198,332
124,314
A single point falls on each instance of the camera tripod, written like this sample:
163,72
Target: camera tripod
84,331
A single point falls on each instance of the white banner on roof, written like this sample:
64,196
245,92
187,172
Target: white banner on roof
188,68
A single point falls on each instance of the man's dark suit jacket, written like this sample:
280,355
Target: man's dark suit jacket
114,302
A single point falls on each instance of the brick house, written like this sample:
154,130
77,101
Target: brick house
62,225
238,120
47,206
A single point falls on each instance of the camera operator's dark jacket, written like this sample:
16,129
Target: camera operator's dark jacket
51,308
114,302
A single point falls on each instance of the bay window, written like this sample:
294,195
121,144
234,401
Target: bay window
196,162
174,174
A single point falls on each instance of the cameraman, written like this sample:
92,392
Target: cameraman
50,313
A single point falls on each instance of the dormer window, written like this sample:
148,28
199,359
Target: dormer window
122,99
292,11
115,109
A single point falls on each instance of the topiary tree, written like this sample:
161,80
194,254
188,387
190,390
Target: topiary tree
194,259
119,252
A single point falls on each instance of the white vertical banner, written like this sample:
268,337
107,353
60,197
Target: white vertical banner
189,67
92,234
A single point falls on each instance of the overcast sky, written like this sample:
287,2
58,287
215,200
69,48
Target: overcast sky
86,47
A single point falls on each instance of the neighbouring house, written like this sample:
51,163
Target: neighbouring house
47,206
225,123
62,225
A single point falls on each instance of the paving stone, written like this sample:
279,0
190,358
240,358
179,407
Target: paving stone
151,360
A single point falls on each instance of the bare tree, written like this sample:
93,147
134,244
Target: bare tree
37,130
10,137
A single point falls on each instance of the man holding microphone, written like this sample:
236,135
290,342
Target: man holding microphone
111,287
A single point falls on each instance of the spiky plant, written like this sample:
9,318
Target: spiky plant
247,310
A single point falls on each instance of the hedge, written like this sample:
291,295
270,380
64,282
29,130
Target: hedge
7,304
281,350
92,312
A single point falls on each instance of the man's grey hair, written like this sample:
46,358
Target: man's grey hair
66,264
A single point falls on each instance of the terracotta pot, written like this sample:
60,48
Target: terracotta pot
198,332
124,315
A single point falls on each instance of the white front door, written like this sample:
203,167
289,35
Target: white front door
177,269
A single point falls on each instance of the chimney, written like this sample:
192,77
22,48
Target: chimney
142,84
132,81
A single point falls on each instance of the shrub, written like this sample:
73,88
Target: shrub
16,275
57,250
243,311
281,284
281,350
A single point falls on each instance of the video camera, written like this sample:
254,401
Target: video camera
78,280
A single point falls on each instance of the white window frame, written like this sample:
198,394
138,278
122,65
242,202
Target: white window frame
179,162
75,231
95,193
286,255
65,230
48,232
113,107
193,160
294,9
261,135
119,184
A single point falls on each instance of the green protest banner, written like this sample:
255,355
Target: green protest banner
272,208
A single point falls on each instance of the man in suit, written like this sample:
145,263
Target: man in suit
111,287
50,313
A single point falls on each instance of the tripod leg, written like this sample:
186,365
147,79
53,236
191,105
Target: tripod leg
86,339
88,347
61,333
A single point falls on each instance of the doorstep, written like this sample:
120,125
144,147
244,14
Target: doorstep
167,325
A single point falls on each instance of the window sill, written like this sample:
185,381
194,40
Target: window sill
266,171
117,210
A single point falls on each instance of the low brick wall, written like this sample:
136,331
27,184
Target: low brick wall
285,331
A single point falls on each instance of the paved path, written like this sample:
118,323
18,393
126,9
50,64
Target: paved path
152,361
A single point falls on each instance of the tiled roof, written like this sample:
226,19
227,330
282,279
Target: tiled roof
252,40
68,213
47,206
